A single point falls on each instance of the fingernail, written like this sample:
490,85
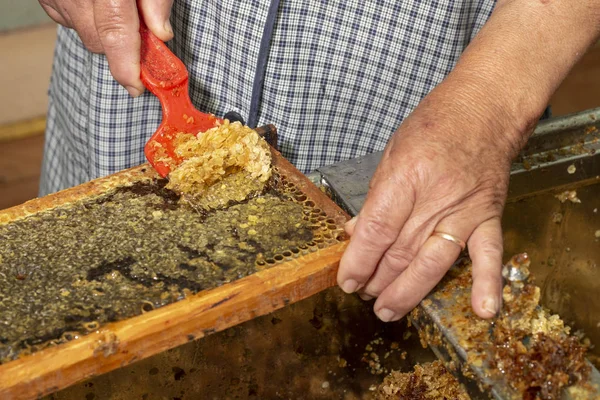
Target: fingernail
365,297
349,226
350,286
490,305
385,315
352,222
133,91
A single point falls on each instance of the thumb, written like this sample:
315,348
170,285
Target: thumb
485,250
156,15
349,226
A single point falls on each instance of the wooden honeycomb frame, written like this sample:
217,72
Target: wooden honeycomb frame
121,343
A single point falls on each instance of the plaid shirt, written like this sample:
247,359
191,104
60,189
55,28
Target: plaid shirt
339,78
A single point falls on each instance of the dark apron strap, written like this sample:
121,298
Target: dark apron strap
261,64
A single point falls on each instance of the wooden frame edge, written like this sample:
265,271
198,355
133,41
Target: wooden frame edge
122,343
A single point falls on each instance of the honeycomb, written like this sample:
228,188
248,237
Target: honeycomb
526,346
230,161
67,271
428,381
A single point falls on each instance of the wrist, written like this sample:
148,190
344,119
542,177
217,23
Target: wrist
514,107
517,60
485,120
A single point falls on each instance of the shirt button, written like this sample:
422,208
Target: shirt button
234,116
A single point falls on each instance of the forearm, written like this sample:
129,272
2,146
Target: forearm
521,55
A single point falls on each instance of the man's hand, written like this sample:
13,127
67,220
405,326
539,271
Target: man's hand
111,27
444,170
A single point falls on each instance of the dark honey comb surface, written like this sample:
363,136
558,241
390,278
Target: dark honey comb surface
67,271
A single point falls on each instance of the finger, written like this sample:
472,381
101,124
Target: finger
378,226
117,23
365,297
56,15
424,272
84,23
485,250
395,261
397,258
156,14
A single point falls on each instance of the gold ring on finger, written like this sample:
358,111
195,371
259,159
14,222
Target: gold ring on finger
450,238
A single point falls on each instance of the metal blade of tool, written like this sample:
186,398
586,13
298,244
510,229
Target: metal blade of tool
555,144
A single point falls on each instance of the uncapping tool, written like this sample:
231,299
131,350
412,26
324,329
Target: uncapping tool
165,75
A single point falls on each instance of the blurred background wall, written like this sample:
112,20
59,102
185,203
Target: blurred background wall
27,38
20,14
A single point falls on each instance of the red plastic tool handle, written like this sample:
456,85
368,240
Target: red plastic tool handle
165,75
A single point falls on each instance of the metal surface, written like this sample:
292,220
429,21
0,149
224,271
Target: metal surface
555,146
349,180
450,342
561,241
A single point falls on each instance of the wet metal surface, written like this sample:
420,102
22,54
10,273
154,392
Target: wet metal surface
524,353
